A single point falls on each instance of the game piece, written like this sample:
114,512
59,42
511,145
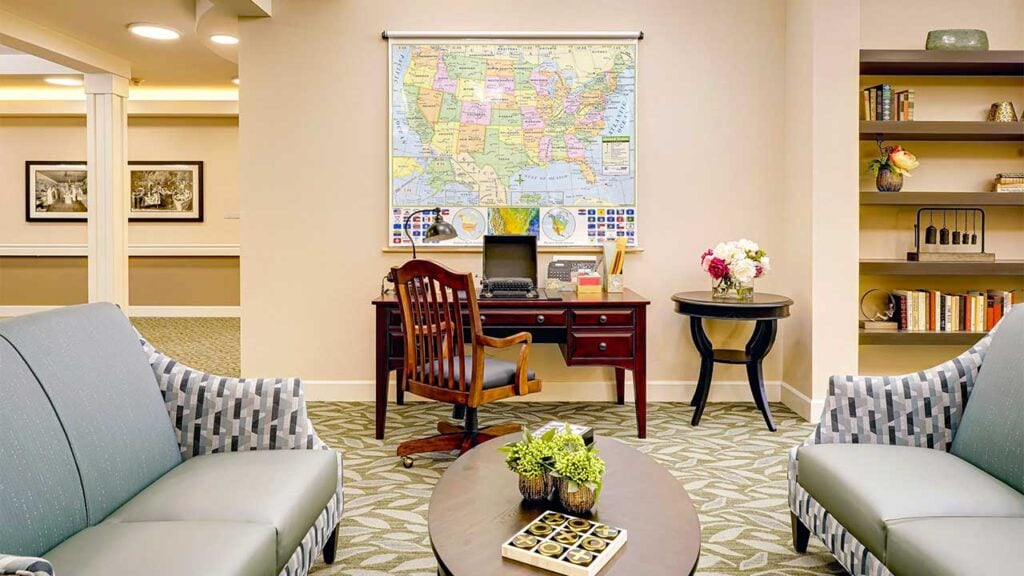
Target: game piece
564,544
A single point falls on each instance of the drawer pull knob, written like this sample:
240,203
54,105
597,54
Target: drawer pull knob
483,318
540,318
602,346
602,319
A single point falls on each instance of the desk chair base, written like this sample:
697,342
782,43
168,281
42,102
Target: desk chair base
454,437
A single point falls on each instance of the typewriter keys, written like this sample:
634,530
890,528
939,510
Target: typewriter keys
550,549
524,541
580,557
540,529
567,537
579,525
593,544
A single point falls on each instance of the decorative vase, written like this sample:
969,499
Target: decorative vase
888,181
957,39
535,488
1002,112
578,502
730,288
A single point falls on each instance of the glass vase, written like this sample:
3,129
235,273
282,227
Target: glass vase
728,288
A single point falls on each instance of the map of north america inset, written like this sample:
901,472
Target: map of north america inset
515,126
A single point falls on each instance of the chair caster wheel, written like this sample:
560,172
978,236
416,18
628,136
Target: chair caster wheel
407,461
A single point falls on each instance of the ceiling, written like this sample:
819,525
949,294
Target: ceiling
189,62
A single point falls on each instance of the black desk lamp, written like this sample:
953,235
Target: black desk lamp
438,231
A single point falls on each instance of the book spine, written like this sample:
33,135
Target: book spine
910,104
886,102
874,104
867,105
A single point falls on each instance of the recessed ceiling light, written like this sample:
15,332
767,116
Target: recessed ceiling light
225,39
235,80
153,31
56,81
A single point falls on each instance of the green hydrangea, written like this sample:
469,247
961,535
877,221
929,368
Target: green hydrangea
531,456
581,466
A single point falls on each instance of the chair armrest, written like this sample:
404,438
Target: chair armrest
24,566
522,338
220,414
920,409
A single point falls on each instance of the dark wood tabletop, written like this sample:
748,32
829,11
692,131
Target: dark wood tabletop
761,306
476,507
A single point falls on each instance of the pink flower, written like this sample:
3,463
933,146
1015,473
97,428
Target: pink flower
760,271
705,260
717,268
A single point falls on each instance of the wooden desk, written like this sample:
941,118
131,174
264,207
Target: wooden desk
591,330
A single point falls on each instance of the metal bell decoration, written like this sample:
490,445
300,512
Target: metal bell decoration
944,233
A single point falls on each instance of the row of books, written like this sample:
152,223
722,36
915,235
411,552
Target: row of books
881,103
1010,182
934,311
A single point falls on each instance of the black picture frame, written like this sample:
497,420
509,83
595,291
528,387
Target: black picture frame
194,215
32,214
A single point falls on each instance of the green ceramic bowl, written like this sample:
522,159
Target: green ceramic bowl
957,39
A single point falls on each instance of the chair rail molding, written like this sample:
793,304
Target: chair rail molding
133,250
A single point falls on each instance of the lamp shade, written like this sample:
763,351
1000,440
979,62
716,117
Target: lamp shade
439,230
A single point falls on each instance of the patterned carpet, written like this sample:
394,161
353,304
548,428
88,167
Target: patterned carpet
733,469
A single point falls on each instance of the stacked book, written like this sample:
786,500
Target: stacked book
881,103
1010,182
934,311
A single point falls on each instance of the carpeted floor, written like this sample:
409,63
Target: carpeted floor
733,469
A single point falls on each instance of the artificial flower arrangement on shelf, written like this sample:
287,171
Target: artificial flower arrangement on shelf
733,266
560,463
893,164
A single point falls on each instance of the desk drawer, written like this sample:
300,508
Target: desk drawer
523,318
598,344
621,317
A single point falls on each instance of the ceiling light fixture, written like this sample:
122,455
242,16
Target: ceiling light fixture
225,39
235,81
153,31
57,81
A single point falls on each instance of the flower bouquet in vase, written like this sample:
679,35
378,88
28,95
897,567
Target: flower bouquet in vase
891,166
733,266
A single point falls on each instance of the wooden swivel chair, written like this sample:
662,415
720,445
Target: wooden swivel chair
439,310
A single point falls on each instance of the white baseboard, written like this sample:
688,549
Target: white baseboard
143,311
798,402
573,391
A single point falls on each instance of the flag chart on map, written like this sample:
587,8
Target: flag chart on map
514,136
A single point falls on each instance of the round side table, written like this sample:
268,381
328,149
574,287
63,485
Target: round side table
765,309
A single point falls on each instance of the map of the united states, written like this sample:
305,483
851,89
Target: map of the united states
512,125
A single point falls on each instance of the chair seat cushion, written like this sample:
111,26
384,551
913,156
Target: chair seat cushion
168,549
955,546
497,372
866,486
283,489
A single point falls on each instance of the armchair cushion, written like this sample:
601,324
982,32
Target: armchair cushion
867,486
956,546
497,372
167,549
24,565
285,490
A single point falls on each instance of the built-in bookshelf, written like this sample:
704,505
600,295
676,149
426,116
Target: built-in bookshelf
895,272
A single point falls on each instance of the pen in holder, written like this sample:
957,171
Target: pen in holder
614,258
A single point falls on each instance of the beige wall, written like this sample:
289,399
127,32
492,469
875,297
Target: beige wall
887,232
314,149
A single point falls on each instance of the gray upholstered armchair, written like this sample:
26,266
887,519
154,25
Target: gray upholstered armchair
904,476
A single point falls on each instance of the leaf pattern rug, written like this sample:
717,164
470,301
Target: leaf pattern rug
732,467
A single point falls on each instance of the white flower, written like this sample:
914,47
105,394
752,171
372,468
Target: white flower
766,263
747,245
743,270
721,250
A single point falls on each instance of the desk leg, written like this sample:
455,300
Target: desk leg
399,391
620,386
760,344
382,372
640,372
707,368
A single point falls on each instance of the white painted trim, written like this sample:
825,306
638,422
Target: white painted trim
12,311
185,311
45,103
807,408
133,250
571,391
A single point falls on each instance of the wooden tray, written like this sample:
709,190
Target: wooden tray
571,546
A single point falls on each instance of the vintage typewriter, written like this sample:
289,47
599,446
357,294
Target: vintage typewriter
508,288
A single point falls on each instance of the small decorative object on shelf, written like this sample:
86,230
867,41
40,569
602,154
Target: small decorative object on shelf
733,266
891,166
877,308
1002,112
944,246
1009,182
579,471
957,39
565,544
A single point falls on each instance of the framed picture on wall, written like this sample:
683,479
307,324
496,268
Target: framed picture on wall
166,191
56,191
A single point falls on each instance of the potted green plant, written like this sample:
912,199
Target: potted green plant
579,471
891,166
532,459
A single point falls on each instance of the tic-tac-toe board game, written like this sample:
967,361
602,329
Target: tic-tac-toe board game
565,544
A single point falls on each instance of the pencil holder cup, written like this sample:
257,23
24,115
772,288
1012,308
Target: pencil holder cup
615,283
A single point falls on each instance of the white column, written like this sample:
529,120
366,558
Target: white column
107,132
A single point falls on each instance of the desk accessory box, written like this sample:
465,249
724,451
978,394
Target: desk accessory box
565,544
585,432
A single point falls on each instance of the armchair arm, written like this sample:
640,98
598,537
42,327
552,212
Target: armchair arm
920,409
220,414
522,338
24,566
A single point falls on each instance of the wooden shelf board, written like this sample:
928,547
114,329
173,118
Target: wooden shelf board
904,268
908,338
942,198
942,130
942,63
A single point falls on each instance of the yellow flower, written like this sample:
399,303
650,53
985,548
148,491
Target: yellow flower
902,160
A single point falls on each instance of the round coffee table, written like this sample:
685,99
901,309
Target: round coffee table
476,507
